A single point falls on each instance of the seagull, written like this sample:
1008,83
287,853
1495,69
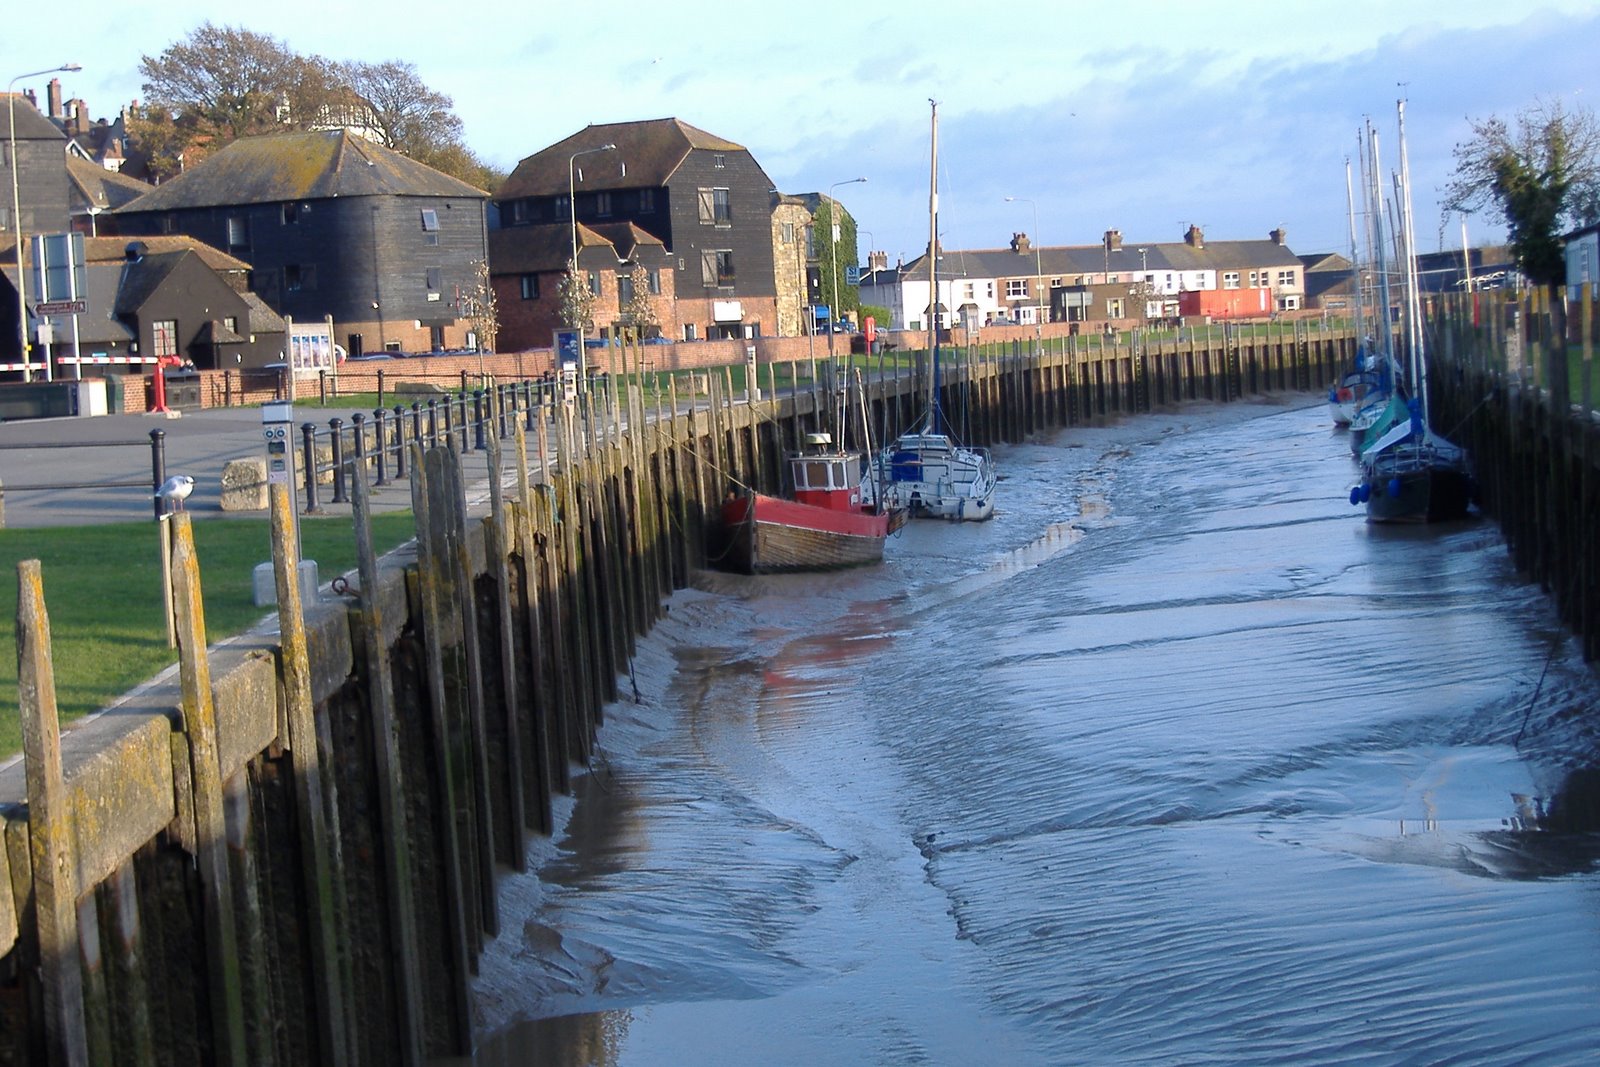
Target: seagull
175,490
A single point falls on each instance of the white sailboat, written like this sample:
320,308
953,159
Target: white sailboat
925,470
1408,472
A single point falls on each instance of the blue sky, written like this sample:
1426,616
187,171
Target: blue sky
1142,117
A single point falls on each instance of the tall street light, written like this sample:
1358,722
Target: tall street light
16,210
833,252
1038,270
572,208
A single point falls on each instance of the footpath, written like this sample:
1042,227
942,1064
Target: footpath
53,472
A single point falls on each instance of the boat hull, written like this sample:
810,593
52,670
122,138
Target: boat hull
1418,492
769,535
931,477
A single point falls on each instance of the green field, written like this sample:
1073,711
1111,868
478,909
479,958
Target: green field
102,589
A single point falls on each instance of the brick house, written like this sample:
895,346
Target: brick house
706,199
529,263
335,226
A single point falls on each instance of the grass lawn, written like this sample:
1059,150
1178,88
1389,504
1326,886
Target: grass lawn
102,589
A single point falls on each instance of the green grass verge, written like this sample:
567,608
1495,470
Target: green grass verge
102,588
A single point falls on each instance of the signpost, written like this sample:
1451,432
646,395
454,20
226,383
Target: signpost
60,307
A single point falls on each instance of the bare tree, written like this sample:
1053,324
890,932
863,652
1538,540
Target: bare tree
640,310
410,117
577,300
1543,177
479,307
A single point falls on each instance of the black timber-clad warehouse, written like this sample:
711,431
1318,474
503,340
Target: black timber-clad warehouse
334,225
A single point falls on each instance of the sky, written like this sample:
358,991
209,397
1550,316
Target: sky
1237,117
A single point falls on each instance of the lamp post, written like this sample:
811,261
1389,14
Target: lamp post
16,209
1038,270
835,230
572,208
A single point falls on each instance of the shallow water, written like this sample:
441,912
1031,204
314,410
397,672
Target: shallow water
1177,760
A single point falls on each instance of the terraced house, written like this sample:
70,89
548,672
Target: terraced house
335,226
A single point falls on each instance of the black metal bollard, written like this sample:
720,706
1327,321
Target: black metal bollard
465,422
529,405
399,441
336,435
463,380
433,422
449,421
359,433
380,445
416,421
477,417
158,466
308,432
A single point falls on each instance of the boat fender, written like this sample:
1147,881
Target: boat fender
1355,495
1366,492
1394,487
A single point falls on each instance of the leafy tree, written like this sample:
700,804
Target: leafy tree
879,315
222,83
577,301
831,263
1543,177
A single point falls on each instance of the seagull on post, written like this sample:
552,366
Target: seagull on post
174,491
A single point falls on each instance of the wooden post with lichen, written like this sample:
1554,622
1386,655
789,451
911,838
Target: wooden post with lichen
313,802
50,829
443,676
498,547
539,785
390,788
205,782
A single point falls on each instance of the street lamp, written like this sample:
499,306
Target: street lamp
572,208
16,211
1038,270
833,254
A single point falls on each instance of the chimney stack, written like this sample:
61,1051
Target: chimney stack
53,97
1195,237
1020,244
1278,235
1113,240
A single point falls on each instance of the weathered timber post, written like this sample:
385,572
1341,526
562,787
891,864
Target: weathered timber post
50,830
444,679
319,844
451,507
205,781
538,786
383,721
497,541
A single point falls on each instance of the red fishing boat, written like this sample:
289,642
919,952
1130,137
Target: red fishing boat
833,519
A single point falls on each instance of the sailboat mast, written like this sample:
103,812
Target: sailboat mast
1380,262
933,272
1419,367
1355,258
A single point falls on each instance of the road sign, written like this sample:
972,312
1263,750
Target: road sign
61,307
852,275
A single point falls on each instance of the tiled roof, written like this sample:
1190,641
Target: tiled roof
115,249
283,167
142,277
548,247
102,188
31,125
649,150
1095,259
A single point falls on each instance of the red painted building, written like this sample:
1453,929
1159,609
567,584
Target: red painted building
1226,303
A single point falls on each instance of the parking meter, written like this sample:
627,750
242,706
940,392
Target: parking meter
277,427
569,381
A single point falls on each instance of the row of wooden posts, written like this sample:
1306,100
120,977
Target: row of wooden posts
292,855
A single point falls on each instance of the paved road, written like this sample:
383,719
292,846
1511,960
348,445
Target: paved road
48,466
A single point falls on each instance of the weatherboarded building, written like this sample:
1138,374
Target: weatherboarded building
337,227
